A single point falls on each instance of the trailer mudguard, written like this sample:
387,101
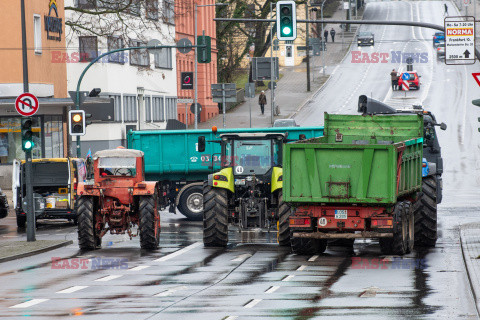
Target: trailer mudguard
224,179
277,179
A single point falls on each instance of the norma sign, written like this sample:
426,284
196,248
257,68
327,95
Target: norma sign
459,40
187,81
26,104
53,24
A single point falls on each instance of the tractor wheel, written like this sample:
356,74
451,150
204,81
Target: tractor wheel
410,220
21,221
87,237
284,212
399,243
307,246
215,216
149,223
425,211
190,203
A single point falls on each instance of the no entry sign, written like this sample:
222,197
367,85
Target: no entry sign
26,104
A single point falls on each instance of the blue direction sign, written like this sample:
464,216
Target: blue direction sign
406,76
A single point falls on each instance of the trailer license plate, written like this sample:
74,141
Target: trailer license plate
340,214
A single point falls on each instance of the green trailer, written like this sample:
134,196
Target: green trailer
357,181
172,158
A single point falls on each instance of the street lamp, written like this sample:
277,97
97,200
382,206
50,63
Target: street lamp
196,56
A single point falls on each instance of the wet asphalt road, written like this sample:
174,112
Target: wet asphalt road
253,277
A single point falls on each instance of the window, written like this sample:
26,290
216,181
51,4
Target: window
109,4
86,4
171,107
163,59
117,105
157,108
168,11
37,33
139,57
88,48
53,127
129,108
133,8
116,43
151,8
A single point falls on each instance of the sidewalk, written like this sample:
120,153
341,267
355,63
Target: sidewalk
470,242
291,92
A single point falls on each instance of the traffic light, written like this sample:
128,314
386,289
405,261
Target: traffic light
286,20
76,122
204,54
27,135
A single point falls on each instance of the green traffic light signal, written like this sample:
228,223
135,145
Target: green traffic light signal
27,135
286,20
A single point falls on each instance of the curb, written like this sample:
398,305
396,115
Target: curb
468,272
38,251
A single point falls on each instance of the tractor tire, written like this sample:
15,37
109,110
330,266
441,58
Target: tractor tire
410,226
425,211
148,223
307,246
190,203
87,237
399,243
284,212
215,216
21,222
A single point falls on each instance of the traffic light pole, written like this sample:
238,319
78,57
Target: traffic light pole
30,212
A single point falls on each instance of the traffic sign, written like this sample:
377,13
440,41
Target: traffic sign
475,76
406,76
460,40
184,45
184,100
154,43
186,81
199,108
26,104
405,86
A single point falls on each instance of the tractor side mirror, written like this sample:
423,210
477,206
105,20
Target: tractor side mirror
443,126
201,144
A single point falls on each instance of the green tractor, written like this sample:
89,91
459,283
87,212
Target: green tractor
247,191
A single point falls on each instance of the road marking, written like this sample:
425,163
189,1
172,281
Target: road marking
111,277
179,252
313,259
28,303
138,268
272,289
288,278
301,268
170,291
72,289
242,257
231,318
252,303
11,236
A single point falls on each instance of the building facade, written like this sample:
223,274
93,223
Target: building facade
142,84
45,32
207,72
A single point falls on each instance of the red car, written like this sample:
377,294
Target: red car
411,78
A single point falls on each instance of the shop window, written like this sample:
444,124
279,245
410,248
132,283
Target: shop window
53,128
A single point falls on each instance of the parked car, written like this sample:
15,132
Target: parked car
411,78
441,50
54,184
438,37
285,123
365,39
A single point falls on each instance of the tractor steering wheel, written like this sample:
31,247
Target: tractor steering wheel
123,172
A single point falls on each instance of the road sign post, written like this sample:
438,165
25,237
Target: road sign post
459,40
186,101
223,93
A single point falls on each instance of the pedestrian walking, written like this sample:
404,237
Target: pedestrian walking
325,35
262,101
446,9
394,77
332,33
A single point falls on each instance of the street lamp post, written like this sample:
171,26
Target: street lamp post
195,100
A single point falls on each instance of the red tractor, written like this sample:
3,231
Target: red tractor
116,199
